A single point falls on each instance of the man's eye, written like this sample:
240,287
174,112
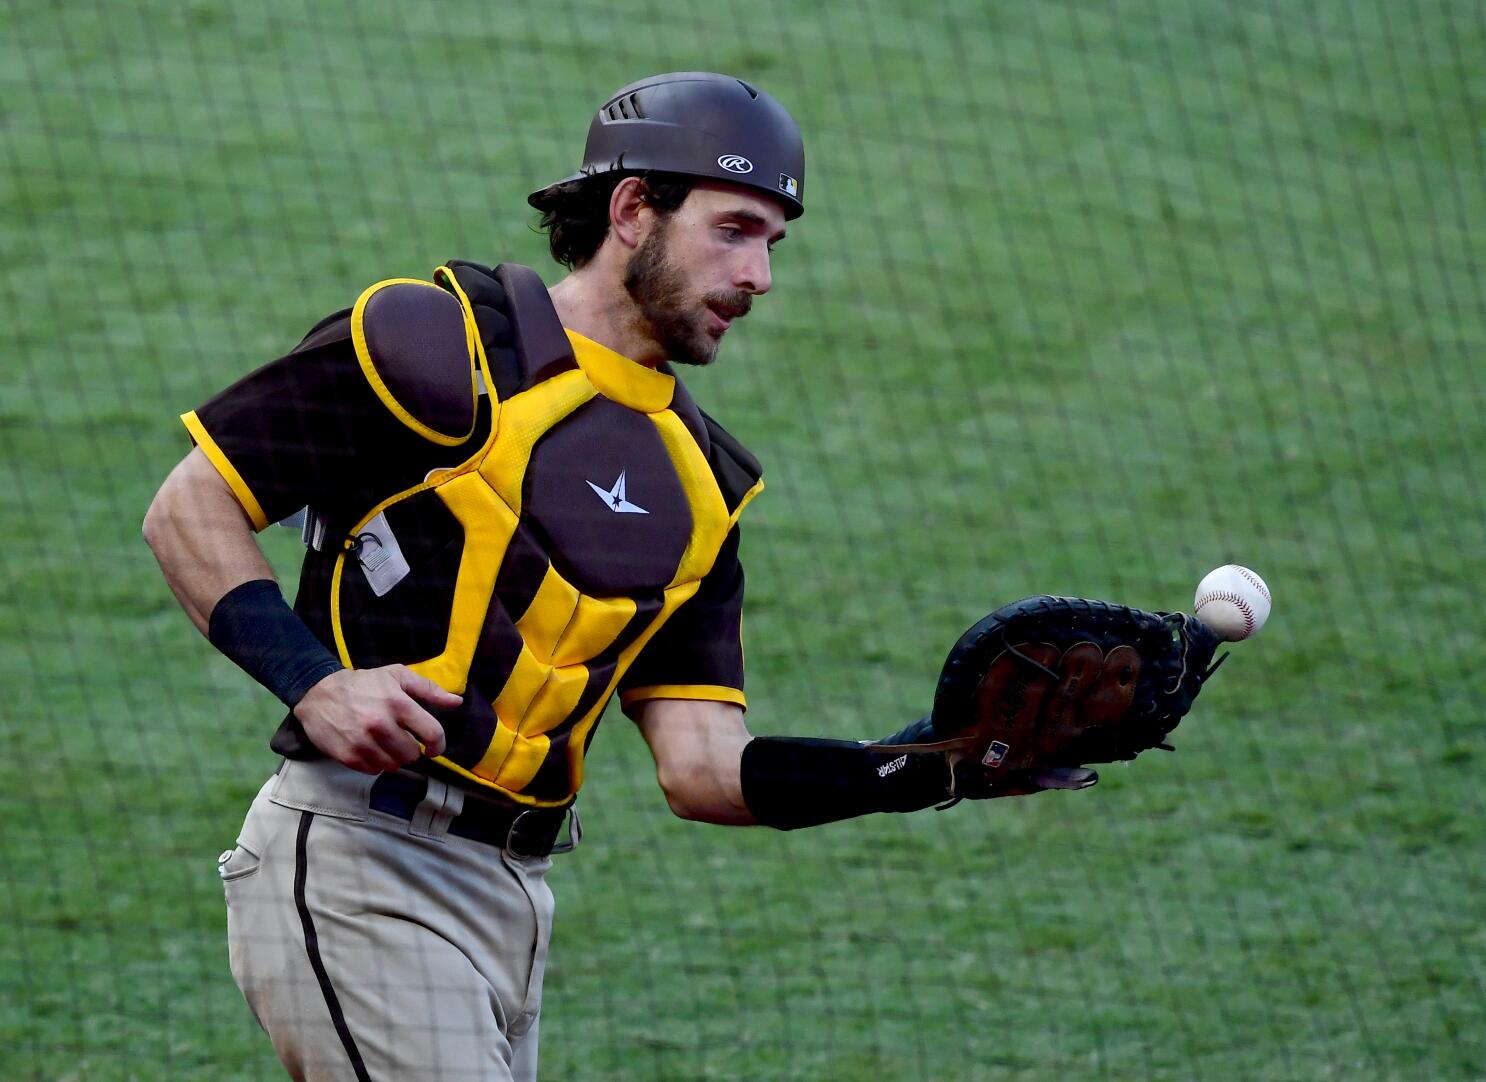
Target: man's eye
732,232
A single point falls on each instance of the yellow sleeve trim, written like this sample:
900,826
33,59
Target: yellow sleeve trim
225,467
715,693
369,368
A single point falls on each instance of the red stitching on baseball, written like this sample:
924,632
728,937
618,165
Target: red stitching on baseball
1237,599
1254,581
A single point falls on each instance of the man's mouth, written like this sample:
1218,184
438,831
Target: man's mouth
722,318
724,314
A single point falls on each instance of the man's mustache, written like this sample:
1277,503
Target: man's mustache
732,304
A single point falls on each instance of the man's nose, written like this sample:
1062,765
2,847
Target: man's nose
754,274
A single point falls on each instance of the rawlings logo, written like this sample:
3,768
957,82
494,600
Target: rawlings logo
735,163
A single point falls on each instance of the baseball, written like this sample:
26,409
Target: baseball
1233,601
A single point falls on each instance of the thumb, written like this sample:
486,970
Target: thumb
424,689
1063,777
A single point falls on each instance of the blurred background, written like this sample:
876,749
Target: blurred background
1090,297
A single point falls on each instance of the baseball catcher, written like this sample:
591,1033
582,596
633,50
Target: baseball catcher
514,513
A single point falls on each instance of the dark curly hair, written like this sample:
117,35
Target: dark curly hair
575,215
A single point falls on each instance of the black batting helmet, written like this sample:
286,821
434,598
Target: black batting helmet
699,124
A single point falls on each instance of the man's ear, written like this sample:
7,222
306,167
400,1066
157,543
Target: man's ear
629,215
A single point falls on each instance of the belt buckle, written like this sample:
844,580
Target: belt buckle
509,845
575,833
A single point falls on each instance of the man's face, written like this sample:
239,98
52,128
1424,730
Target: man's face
700,267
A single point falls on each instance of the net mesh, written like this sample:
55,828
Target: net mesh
1089,299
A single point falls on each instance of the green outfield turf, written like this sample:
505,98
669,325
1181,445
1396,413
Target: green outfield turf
1089,298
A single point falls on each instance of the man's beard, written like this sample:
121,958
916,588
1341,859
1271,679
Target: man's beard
658,289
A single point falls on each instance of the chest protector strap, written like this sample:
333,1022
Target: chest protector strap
518,331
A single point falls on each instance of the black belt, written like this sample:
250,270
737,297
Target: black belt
523,832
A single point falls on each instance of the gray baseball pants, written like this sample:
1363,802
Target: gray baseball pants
369,947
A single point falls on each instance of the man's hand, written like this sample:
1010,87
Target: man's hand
370,720
1041,687
972,786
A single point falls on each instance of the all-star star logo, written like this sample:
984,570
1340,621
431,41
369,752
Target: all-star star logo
614,498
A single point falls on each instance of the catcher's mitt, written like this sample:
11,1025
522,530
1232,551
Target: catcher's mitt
1050,683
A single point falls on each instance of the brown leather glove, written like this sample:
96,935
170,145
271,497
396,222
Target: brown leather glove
1041,687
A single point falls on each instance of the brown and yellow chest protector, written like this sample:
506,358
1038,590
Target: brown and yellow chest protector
527,578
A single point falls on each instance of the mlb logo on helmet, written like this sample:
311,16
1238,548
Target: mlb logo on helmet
995,754
789,185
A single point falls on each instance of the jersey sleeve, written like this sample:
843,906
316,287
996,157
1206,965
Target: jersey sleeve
698,654
304,429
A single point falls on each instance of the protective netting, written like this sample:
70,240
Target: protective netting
1088,299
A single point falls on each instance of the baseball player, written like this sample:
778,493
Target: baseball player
513,510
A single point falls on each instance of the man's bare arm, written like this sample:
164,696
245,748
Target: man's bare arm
202,538
367,719
698,748
712,770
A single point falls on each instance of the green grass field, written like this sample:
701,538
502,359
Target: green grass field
1089,298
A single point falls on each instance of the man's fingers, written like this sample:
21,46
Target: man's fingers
379,763
422,725
1030,781
395,742
367,758
421,687
1064,777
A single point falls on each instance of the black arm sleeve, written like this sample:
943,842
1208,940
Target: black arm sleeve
791,782
253,626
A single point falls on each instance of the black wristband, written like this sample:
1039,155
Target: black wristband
257,629
790,783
